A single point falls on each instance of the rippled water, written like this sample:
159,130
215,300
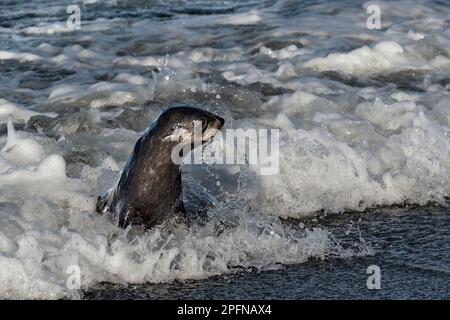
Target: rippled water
411,247
364,120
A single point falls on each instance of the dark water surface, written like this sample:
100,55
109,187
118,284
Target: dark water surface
412,249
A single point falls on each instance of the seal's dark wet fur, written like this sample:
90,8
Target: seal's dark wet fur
149,189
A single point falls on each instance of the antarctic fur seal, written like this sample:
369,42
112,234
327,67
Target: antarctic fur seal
149,189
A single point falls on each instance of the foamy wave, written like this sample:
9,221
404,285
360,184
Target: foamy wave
384,56
49,225
391,154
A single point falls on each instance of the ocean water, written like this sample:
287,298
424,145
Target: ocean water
364,166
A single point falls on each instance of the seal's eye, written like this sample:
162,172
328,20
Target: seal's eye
175,127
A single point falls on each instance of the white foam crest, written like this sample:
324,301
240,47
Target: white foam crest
347,164
20,113
364,61
252,17
101,94
20,56
282,54
47,29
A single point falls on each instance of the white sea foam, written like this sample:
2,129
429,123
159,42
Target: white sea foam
364,61
47,29
21,56
19,113
355,163
251,17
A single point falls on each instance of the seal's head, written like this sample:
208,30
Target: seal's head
188,125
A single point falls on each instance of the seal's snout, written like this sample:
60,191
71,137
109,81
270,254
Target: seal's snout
215,123
221,122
